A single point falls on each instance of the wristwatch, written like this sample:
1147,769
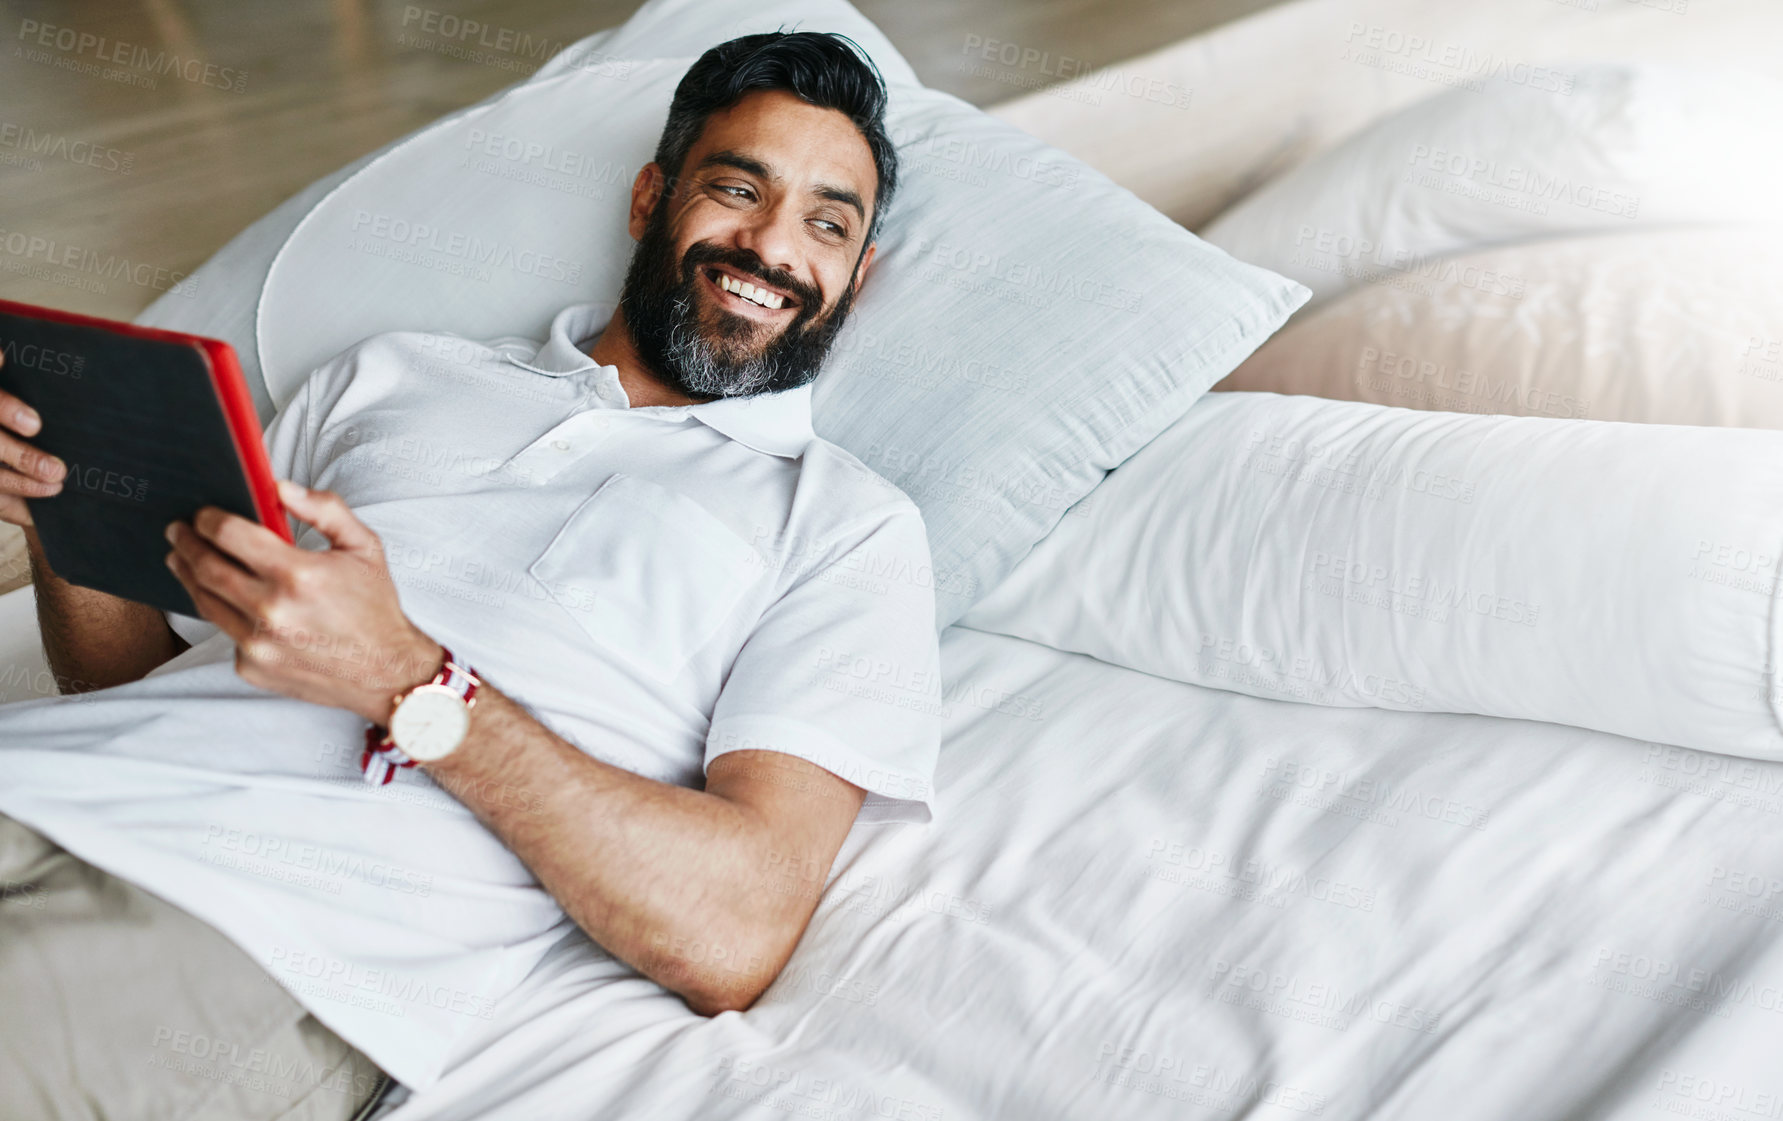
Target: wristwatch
427,723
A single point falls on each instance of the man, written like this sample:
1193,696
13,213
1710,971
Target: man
604,597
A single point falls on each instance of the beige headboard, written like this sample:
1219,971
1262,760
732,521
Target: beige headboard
1266,92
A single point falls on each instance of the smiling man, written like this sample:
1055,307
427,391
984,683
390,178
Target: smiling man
608,594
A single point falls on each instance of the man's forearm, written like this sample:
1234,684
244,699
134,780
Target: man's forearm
705,891
683,885
94,640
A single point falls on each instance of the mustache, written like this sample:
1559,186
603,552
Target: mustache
750,264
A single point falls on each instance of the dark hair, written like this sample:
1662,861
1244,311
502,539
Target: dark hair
821,68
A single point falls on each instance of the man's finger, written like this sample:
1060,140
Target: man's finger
328,512
252,545
214,572
11,482
210,608
17,415
29,462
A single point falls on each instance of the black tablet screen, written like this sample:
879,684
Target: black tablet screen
139,425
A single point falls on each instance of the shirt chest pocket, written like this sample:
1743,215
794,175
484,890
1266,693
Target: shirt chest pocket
647,573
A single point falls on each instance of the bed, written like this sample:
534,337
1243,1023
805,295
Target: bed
1150,893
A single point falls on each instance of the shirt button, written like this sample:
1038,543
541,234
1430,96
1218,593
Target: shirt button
561,445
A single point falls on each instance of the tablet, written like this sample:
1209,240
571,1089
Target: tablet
152,425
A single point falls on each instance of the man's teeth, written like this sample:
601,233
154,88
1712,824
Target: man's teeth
750,292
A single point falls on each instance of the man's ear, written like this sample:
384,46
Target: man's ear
860,270
645,190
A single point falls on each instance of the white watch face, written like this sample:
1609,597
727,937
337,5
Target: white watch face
430,723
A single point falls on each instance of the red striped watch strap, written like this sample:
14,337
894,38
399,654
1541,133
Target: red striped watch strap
381,758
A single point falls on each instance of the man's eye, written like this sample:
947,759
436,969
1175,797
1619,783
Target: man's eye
830,227
741,192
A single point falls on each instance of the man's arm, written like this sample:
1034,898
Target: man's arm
689,887
93,639
705,892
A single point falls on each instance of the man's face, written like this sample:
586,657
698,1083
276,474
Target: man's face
775,194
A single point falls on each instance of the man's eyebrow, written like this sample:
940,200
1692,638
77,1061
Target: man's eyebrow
760,170
842,195
738,160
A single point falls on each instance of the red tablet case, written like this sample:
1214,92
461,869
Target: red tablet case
133,380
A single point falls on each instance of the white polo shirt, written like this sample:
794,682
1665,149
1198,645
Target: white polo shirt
659,586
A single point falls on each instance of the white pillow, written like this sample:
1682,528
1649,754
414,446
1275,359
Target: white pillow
229,283
1619,577
1026,326
232,279
1682,325
1605,147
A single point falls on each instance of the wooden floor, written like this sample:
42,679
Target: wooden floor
137,136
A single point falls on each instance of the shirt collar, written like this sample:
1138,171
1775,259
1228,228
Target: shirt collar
775,423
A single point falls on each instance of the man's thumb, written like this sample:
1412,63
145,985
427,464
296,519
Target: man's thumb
329,513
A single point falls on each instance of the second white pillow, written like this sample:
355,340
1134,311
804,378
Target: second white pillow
1601,148
1619,577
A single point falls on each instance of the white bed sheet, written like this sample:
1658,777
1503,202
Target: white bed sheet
1478,934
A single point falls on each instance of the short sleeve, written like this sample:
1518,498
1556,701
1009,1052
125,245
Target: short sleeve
288,445
844,670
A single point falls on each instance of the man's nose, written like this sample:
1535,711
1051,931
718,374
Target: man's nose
771,233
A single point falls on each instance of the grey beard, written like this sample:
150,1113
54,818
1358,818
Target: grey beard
703,373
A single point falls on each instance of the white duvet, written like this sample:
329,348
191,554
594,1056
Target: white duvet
1150,899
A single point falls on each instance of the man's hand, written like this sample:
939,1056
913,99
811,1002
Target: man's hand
325,627
25,472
